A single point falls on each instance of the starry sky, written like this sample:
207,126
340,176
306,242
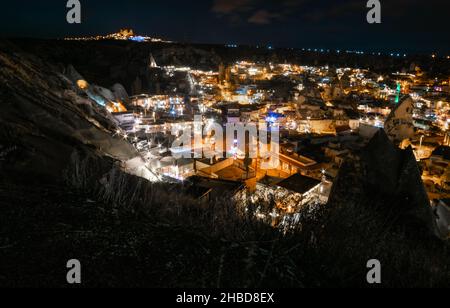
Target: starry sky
407,25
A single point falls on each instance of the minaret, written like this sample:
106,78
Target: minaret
152,61
399,91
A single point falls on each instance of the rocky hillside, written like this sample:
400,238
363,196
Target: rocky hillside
44,119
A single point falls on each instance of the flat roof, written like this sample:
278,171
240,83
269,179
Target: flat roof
299,183
215,184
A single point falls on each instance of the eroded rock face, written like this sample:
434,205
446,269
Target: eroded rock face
46,118
399,125
120,93
442,212
387,179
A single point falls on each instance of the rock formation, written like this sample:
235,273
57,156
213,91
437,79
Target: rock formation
46,119
388,180
399,125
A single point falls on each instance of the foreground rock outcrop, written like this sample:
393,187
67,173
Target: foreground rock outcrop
388,180
44,120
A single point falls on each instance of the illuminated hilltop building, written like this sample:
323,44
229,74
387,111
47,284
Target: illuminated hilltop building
121,35
127,33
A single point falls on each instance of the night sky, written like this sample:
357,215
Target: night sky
408,25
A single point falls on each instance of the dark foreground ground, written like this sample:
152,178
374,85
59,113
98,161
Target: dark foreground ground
42,227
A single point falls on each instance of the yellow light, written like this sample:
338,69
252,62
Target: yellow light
82,84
